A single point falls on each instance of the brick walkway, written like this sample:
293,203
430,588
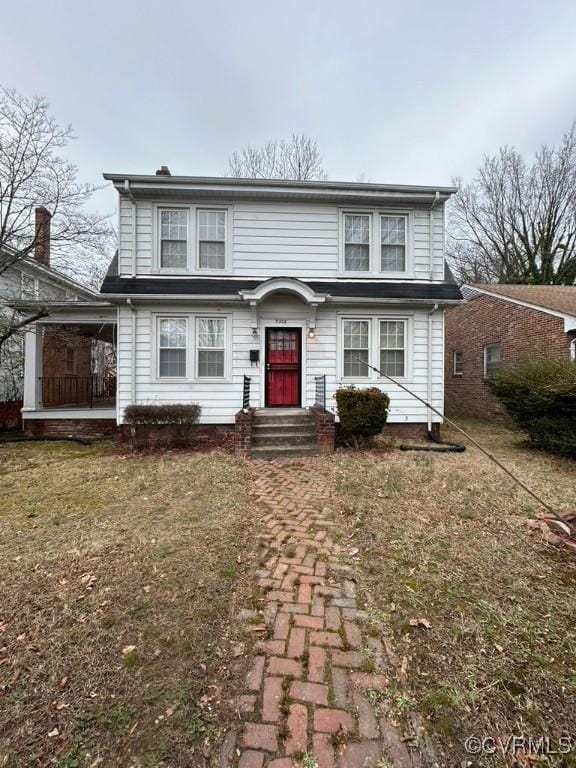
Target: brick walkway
309,688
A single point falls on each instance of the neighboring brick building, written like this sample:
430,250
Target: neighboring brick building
497,325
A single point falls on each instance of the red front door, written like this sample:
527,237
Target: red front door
283,355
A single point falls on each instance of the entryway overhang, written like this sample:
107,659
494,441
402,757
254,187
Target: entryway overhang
283,285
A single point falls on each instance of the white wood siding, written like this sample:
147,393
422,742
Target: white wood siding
280,239
220,401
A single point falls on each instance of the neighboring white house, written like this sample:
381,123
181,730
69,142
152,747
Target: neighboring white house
29,279
217,279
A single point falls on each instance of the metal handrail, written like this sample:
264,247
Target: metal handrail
320,398
246,393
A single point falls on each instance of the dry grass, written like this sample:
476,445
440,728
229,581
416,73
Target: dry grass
444,538
99,553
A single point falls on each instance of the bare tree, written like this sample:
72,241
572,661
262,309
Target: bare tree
34,174
297,159
516,222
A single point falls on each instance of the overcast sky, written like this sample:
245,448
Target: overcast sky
405,92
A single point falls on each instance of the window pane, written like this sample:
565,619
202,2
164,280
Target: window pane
173,362
356,345
392,334
211,332
357,258
458,362
174,225
393,230
392,362
211,255
173,254
356,229
211,363
393,258
212,225
173,333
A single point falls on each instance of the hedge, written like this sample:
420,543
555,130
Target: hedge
362,412
166,426
540,397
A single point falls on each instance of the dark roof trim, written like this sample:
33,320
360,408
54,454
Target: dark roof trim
218,288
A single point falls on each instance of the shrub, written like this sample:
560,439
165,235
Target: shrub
540,397
166,426
362,412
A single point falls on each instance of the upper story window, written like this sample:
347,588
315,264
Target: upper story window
393,243
457,363
376,243
492,359
211,239
70,360
174,238
30,287
357,242
173,345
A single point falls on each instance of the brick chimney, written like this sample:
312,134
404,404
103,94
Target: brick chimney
42,236
163,171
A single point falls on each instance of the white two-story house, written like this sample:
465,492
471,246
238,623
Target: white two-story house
235,293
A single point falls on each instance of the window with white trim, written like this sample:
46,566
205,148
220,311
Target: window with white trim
393,347
492,359
392,243
172,347
30,287
357,242
356,345
457,363
173,238
210,347
211,239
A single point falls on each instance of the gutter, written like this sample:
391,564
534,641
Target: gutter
429,378
128,190
431,233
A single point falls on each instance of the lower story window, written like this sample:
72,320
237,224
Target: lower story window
173,334
393,347
211,333
492,359
356,348
457,363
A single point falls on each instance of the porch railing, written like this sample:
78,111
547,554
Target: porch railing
90,391
320,396
246,393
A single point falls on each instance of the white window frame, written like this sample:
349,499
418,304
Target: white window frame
157,323
454,371
404,321
226,349
374,320
192,248
211,208
378,256
485,356
370,340
375,237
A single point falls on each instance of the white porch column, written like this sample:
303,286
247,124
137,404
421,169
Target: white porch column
33,368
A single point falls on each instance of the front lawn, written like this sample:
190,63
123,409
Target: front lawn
121,579
480,611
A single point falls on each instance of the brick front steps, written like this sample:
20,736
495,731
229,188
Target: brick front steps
315,672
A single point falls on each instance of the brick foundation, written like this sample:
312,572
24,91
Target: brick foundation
158,435
325,429
87,428
10,416
409,431
243,432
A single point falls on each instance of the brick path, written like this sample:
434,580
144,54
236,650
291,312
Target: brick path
308,691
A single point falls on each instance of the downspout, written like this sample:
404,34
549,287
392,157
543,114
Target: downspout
133,353
430,315
128,190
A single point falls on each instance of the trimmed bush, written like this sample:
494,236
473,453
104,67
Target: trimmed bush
540,397
362,412
165,426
